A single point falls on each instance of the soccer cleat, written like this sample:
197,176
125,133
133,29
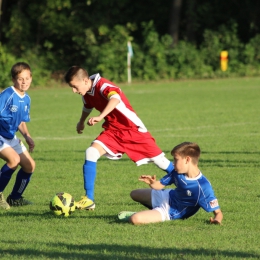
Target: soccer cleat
3,203
85,203
125,215
18,202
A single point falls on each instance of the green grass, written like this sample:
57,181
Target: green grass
222,116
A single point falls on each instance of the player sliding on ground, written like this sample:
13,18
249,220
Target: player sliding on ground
193,191
124,132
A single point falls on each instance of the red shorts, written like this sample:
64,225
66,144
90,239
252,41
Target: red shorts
140,147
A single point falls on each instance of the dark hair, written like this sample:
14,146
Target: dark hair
18,68
187,149
75,71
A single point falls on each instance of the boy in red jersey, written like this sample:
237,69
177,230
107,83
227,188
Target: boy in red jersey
124,132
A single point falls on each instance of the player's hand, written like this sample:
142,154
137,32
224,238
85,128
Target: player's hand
147,178
93,120
214,221
30,143
80,127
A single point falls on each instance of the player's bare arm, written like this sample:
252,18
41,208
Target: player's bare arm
217,218
81,124
112,103
24,131
151,181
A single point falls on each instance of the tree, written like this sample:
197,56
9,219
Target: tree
174,21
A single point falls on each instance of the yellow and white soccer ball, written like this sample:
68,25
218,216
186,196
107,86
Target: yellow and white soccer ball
62,204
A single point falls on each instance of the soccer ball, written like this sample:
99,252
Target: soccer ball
62,204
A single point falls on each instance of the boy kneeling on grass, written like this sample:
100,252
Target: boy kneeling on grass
193,191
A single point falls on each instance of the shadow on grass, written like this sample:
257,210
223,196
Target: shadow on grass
116,251
86,250
49,215
49,158
230,163
230,152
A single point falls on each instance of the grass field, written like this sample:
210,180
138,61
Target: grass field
222,116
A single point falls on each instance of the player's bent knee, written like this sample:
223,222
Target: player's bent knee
134,195
13,162
28,165
92,154
32,166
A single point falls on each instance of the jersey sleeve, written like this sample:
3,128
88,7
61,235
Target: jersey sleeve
169,178
26,113
208,200
109,90
3,99
211,205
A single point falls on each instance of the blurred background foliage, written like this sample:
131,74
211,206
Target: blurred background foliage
171,39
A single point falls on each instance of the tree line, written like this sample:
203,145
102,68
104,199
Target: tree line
171,39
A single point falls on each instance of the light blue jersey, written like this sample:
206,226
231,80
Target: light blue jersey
189,195
14,109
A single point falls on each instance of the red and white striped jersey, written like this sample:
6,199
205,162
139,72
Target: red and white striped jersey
123,117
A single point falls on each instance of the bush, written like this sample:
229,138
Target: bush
38,64
6,62
225,38
155,57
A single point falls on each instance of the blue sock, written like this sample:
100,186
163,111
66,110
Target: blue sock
5,176
22,180
170,168
89,175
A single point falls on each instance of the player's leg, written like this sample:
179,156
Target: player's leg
23,176
142,149
22,180
146,217
12,159
93,153
142,196
159,200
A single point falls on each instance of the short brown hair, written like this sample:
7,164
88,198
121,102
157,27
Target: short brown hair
75,71
187,149
18,68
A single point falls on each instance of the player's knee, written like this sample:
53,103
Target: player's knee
140,195
29,166
13,161
92,154
134,195
32,165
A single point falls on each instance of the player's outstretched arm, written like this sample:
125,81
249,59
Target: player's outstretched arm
217,218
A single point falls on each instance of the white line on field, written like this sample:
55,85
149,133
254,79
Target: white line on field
173,130
61,138
169,135
204,126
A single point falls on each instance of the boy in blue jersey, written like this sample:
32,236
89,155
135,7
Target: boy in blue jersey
14,113
193,191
